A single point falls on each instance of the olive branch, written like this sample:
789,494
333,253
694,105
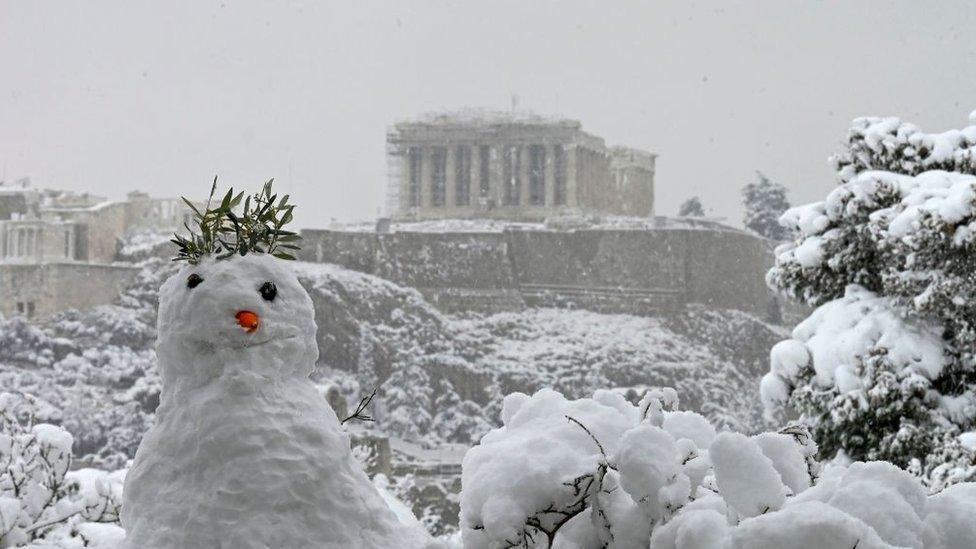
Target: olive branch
223,233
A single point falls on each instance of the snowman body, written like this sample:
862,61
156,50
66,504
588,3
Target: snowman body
245,454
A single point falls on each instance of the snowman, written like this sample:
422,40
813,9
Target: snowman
245,453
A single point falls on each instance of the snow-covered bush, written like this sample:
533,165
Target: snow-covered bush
765,201
886,368
42,503
601,472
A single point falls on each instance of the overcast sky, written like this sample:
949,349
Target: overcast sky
161,96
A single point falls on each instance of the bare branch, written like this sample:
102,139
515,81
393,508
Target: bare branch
600,446
361,409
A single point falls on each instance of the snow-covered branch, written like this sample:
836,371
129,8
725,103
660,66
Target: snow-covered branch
40,499
664,479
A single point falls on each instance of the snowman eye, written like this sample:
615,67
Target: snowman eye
268,291
193,280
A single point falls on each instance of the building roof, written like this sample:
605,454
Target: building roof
468,117
622,153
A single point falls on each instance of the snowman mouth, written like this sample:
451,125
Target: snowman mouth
249,344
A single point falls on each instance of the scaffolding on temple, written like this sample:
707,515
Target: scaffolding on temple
394,171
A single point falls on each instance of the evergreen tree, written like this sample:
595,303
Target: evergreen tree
691,208
890,366
405,401
765,201
457,419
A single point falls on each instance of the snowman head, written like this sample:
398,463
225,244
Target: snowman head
236,310
245,316
238,316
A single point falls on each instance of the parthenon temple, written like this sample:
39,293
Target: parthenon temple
511,165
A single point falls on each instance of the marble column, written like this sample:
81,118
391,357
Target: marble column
496,191
525,167
450,176
572,175
550,175
403,200
426,178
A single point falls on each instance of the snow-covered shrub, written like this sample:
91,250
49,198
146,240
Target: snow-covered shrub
602,472
765,201
886,368
41,502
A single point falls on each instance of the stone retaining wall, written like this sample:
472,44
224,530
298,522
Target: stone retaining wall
46,288
635,271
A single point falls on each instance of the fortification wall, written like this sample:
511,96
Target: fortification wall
638,271
599,258
728,271
439,260
612,271
352,250
455,271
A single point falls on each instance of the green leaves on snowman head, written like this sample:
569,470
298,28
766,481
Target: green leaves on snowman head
221,232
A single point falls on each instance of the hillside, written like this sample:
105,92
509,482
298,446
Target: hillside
440,378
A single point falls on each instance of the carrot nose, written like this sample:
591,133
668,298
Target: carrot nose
248,320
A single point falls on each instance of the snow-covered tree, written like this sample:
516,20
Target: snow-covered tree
691,208
456,418
405,402
765,201
21,342
42,502
602,472
886,367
